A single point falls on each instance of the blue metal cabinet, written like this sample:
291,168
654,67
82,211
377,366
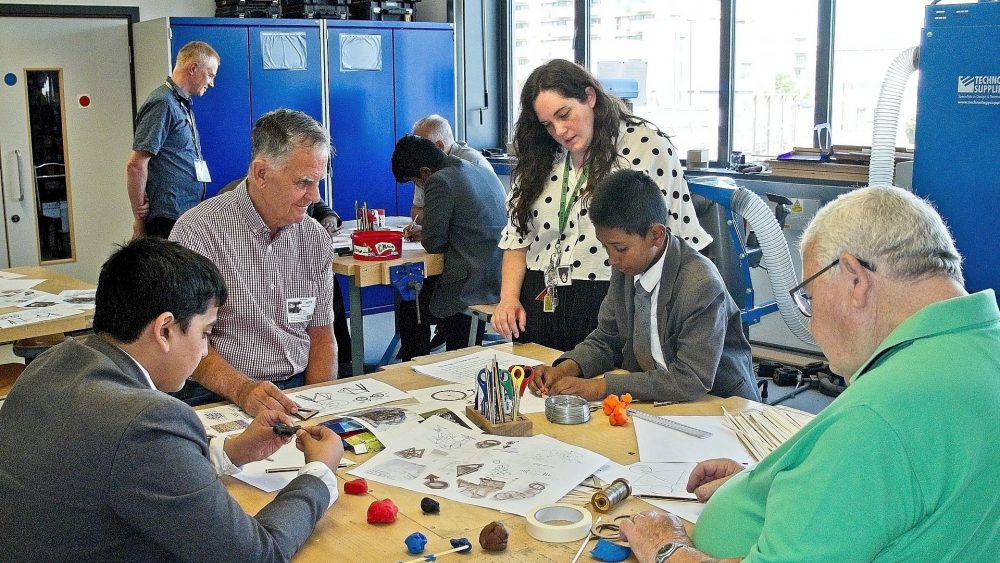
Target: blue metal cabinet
275,87
223,113
245,89
958,116
361,118
425,84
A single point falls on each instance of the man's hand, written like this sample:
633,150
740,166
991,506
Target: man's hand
509,318
589,389
258,440
709,475
256,396
413,232
332,224
138,228
647,531
319,443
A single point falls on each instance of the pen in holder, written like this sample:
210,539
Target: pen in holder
496,407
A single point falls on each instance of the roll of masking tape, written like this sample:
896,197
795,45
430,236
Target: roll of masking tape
558,523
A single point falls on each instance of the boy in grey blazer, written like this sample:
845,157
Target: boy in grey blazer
463,215
99,463
689,343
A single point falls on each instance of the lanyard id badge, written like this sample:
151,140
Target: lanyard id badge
558,274
201,170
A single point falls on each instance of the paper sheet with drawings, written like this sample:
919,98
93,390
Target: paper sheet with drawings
31,316
507,474
458,395
657,443
255,473
464,369
17,296
223,420
652,478
14,285
689,511
339,398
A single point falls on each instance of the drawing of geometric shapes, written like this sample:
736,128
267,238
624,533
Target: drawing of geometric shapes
358,389
487,444
398,470
230,426
485,487
533,489
469,468
434,482
382,415
366,398
450,395
411,453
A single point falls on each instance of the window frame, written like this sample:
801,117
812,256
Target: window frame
825,27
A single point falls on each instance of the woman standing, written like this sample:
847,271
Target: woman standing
569,135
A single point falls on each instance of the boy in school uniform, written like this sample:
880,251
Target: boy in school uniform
667,320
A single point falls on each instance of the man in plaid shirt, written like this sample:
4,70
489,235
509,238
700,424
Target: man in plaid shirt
275,331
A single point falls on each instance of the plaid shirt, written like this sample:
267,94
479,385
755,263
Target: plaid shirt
253,332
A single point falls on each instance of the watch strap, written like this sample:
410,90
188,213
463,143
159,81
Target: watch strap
666,551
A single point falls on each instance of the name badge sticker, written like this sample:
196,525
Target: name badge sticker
300,309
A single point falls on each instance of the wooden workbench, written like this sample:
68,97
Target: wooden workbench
343,534
54,283
365,273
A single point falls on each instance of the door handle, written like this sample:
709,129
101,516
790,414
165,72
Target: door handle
20,175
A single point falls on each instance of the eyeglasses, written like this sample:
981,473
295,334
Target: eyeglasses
803,300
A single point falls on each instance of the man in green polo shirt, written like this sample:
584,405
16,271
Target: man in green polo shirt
902,466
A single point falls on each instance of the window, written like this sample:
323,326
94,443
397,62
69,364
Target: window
864,47
774,89
672,50
542,31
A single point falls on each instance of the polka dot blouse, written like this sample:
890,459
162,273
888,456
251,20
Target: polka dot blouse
645,149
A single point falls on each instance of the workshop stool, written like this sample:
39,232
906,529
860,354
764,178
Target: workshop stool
31,348
480,314
8,374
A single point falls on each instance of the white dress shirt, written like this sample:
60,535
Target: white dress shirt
650,280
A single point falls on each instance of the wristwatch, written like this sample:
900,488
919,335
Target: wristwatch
666,551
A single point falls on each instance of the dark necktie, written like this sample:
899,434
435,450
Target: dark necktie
640,329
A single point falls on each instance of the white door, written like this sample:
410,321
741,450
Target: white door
65,135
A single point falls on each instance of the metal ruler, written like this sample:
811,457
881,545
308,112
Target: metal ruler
667,423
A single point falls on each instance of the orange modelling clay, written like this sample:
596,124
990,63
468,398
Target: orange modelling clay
619,417
610,402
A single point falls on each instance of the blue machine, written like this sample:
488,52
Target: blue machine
958,130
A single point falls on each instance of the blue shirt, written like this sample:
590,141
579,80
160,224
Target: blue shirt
165,128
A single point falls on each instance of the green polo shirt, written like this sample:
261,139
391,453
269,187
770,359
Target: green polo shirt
901,467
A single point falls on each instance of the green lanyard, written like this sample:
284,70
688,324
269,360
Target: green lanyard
563,208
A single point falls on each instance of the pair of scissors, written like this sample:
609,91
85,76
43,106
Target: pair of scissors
521,375
482,391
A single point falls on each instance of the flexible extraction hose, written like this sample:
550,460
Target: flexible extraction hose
776,258
883,160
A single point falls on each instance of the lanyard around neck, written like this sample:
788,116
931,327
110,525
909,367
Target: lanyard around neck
186,104
563,207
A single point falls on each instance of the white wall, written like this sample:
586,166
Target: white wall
148,9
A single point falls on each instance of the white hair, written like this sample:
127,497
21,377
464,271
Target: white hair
900,234
436,129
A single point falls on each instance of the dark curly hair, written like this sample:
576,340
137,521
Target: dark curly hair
536,149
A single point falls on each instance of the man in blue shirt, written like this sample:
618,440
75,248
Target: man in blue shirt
166,172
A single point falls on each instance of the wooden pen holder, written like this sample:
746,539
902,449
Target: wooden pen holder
520,427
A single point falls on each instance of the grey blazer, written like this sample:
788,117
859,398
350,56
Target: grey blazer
700,333
96,466
463,215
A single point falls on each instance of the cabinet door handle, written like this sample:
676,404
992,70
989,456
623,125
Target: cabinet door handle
20,175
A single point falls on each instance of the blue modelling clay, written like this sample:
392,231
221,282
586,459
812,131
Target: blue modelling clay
431,558
610,551
415,543
462,542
